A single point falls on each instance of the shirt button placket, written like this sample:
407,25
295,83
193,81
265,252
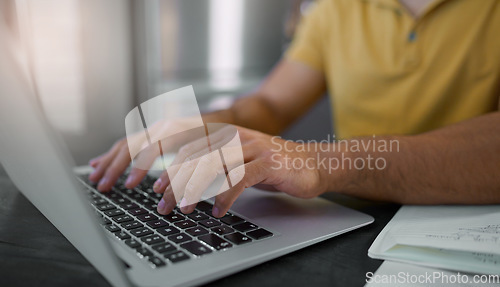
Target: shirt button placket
412,58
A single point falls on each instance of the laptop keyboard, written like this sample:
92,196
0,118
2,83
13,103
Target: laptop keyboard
131,216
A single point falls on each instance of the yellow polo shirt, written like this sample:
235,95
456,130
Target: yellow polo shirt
389,73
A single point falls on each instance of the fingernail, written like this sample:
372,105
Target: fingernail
183,205
215,211
161,205
129,180
157,185
102,183
90,180
183,202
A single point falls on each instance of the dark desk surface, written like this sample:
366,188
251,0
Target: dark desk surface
34,253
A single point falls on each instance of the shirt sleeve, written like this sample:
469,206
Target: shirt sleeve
308,44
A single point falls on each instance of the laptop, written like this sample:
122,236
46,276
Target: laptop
121,234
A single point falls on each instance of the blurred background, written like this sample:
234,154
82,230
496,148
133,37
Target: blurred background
92,61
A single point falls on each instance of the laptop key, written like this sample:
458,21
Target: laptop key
173,217
145,201
106,206
176,256
148,190
179,238
132,225
204,206
209,213
152,206
144,252
245,226
128,206
197,216
137,196
106,194
122,218
149,180
208,223
157,196
185,224
126,191
99,201
221,230
156,262
137,211
116,197
231,219
112,228
139,232
122,235
164,247
196,231
166,231
238,238
132,243
147,217
111,194
114,212
215,241
156,223
121,201
196,248
152,239
260,233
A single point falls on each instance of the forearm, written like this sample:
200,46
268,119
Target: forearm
458,164
289,91
252,112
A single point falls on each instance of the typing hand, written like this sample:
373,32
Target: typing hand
109,166
271,162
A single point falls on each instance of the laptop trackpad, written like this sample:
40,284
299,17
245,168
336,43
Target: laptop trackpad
287,214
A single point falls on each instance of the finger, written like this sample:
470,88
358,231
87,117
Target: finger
166,177
206,172
95,161
141,165
104,162
253,172
171,143
161,183
115,169
204,145
179,181
191,150
195,152
167,202
234,152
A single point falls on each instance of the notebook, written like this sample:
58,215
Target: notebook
460,238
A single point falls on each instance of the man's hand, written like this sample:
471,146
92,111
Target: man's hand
266,163
109,166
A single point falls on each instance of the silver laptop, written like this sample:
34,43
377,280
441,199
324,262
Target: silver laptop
128,242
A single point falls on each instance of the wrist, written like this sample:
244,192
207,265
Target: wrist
334,171
221,116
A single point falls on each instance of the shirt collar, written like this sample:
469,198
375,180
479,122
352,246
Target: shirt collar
398,7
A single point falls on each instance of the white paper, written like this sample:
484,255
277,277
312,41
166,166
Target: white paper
464,238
